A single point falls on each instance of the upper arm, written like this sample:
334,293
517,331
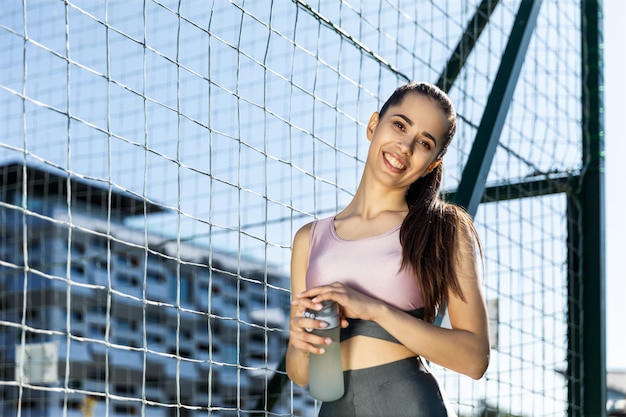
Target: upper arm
469,314
297,359
300,259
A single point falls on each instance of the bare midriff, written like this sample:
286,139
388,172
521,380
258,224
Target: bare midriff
360,352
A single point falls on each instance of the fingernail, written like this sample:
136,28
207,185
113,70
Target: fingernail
322,351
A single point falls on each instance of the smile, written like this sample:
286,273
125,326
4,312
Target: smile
393,161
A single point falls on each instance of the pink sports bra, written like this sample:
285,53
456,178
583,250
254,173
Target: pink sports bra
371,265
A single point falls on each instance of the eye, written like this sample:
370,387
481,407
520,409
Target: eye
424,143
399,125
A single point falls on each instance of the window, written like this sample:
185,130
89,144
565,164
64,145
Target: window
127,279
155,276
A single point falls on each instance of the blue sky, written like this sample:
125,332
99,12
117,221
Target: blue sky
615,147
615,62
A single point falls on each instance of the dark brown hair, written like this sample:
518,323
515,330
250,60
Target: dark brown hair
431,231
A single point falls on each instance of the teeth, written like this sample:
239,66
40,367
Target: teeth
394,162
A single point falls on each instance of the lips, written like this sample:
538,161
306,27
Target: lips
393,161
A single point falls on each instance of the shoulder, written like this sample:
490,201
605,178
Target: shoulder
303,235
303,239
461,226
309,231
300,258
468,236
460,218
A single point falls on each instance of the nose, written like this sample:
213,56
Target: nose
405,145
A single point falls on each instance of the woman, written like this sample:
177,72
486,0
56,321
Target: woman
391,259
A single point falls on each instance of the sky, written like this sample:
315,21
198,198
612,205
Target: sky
615,147
615,150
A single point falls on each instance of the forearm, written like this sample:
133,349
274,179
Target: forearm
460,350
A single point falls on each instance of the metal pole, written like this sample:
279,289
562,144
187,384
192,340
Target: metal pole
592,200
472,185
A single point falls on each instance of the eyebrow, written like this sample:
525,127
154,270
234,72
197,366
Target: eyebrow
410,123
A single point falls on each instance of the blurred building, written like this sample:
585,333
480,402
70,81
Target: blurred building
96,317
616,393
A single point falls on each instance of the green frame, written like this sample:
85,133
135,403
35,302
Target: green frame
586,372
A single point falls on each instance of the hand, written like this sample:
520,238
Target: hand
299,337
353,304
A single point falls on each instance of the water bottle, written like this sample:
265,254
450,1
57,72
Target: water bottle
325,370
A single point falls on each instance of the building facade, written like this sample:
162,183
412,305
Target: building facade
97,318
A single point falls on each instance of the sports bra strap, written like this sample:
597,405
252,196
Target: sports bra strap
370,328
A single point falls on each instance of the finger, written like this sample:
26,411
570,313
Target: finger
315,291
307,323
304,346
333,291
309,342
306,303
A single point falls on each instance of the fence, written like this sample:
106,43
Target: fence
158,156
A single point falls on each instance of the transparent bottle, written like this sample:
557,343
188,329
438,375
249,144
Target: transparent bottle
325,370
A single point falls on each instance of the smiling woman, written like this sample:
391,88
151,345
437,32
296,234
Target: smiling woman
390,259
409,139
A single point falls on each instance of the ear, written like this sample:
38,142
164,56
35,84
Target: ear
432,166
371,126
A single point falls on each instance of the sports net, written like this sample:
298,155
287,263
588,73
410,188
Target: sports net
157,157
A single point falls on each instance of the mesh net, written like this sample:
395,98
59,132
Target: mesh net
158,156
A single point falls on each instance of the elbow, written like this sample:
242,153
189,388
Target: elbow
479,359
475,363
479,366
300,384
297,366
296,377
296,380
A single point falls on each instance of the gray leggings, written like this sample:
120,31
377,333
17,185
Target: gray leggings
398,389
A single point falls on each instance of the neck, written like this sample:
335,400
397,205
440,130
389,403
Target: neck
369,201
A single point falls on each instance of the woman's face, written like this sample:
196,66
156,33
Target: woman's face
406,140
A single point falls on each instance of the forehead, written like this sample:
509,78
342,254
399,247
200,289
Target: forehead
413,99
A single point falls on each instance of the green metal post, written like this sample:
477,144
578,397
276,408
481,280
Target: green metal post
466,44
575,361
591,197
472,185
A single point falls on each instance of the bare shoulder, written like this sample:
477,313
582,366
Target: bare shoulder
466,234
303,235
300,258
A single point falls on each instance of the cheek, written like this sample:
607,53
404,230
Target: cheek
427,164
